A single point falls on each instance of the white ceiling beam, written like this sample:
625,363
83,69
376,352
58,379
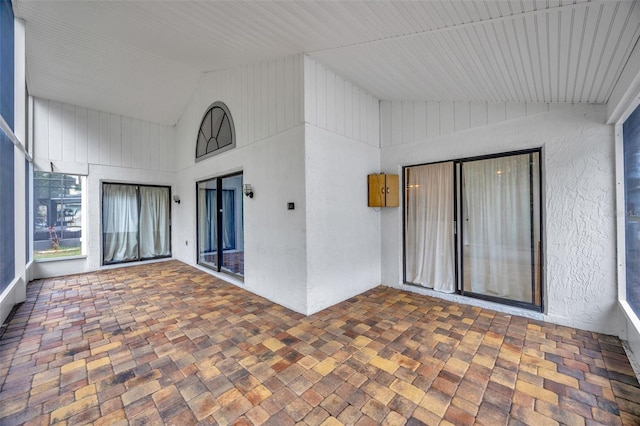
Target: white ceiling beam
625,96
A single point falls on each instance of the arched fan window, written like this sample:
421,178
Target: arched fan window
216,133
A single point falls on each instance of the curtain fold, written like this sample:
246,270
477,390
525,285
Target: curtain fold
497,227
429,227
135,222
120,222
228,219
154,222
211,219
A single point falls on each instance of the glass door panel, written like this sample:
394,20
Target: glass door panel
120,223
429,226
232,229
501,228
155,239
136,222
208,223
220,224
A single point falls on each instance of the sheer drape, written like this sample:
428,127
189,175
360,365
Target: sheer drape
120,222
497,227
209,237
429,227
210,218
228,219
154,222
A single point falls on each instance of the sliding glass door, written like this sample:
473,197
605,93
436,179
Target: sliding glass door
220,224
135,222
501,227
473,226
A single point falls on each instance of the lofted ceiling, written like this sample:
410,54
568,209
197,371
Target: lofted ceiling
144,58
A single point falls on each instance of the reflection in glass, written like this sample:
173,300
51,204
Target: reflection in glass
631,148
501,227
220,224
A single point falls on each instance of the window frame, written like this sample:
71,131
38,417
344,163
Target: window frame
631,312
35,205
219,267
103,240
220,150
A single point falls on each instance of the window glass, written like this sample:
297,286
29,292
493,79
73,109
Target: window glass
216,133
135,222
7,225
631,149
221,224
57,205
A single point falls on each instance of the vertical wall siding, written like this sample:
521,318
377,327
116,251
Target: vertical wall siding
333,103
264,99
72,137
408,121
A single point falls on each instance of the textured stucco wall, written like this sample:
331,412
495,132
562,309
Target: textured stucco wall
579,214
580,221
343,234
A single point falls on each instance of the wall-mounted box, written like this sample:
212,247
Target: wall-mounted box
383,190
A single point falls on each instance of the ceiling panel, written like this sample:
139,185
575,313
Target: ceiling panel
144,58
571,54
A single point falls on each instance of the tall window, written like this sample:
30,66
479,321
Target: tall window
473,227
7,247
57,215
631,149
220,224
135,222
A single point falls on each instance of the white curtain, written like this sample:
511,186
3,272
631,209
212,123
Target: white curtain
228,219
210,218
120,222
429,226
154,222
497,227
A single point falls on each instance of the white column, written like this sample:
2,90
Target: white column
19,130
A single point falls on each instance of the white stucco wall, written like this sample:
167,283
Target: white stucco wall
343,234
265,101
274,237
327,248
578,197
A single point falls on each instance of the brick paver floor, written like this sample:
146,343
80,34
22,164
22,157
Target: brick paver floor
165,343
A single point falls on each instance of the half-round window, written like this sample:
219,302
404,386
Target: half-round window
216,133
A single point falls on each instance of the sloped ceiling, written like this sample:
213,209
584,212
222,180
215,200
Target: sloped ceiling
143,58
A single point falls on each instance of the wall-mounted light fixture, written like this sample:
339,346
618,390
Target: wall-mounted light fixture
176,199
248,190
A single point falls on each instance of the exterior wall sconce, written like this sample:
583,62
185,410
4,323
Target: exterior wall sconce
248,190
176,199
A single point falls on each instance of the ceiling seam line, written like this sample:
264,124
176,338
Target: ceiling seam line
622,67
457,27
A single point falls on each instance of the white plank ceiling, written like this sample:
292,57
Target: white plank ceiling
143,58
